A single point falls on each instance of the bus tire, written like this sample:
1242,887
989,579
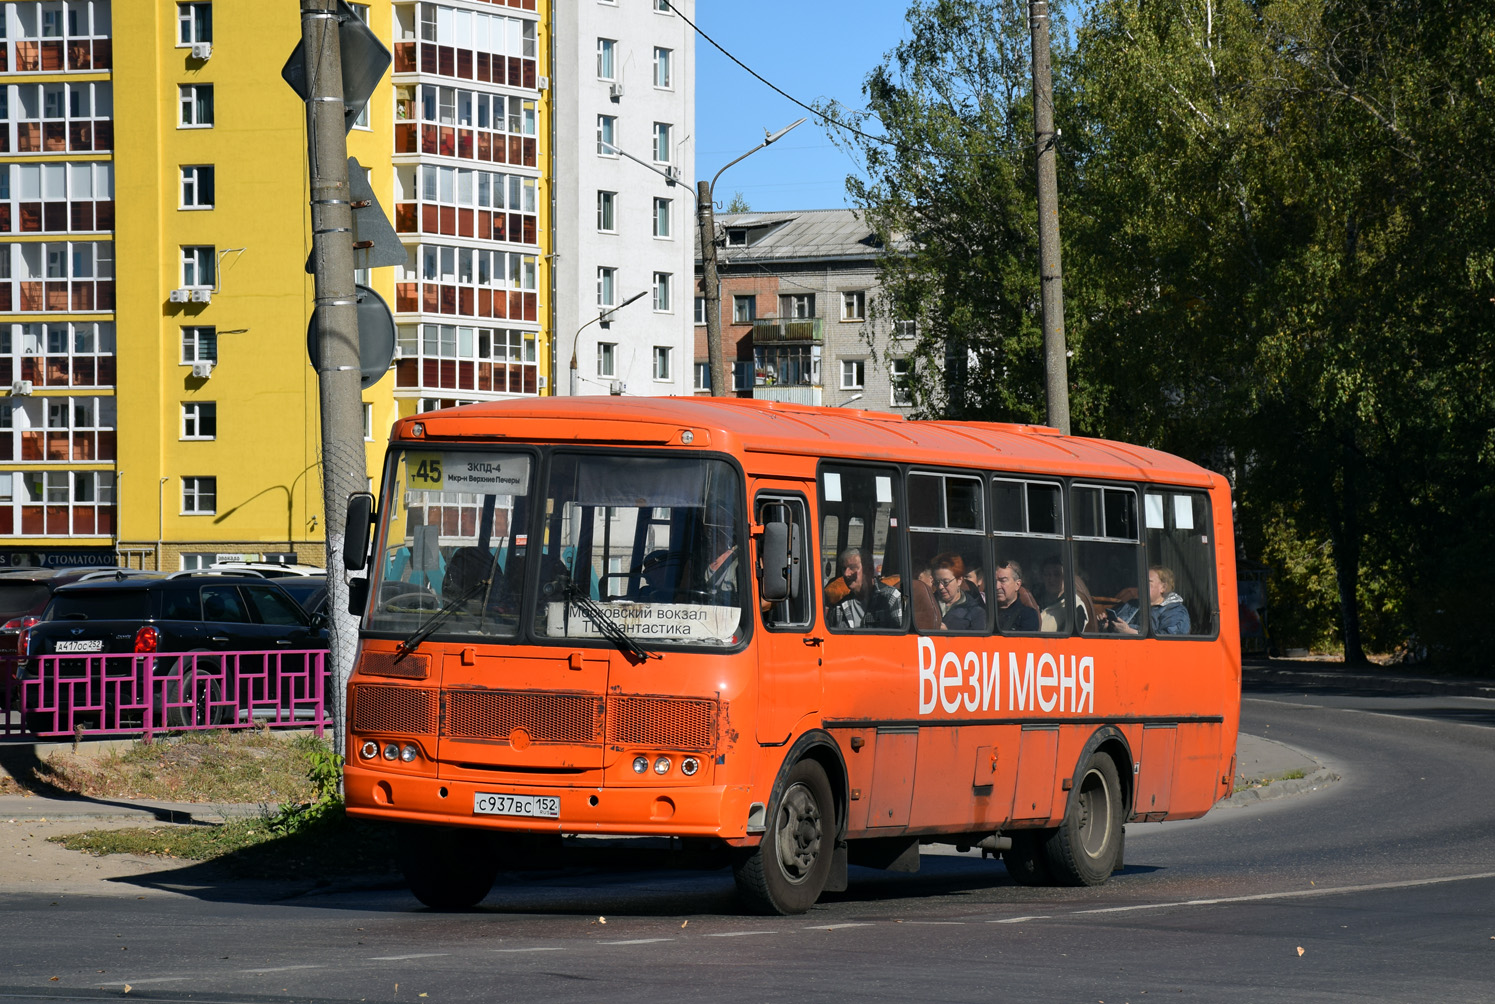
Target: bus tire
1085,848
447,868
786,873
1026,860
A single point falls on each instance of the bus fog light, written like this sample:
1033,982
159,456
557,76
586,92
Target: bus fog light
662,765
689,766
640,764
391,751
369,749
408,752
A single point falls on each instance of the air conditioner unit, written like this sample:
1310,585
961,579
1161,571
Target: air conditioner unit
202,371
180,295
21,387
615,91
202,296
616,387
202,50
544,382
544,83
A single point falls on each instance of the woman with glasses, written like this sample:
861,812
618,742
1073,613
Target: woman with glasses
957,609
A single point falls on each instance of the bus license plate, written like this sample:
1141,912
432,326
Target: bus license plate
492,803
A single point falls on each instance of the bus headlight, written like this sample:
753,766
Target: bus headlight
640,764
662,765
369,749
689,766
391,751
408,752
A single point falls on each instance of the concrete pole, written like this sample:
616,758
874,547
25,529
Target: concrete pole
344,466
1055,366
706,217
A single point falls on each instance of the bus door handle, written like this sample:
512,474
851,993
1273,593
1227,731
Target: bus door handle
813,641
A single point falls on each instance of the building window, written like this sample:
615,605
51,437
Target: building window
736,237
607,286
661,6
194,23
744,309
55,197
57,503
703,376
200,420
607,359
199,345
854,305
799,306
662,293
199,496
198,266
905,329
605,49
607,218
196,106
662,143
662,217
899,372
853,374
197,186
662,362
606,129
502,360
700,310
662,76
368,422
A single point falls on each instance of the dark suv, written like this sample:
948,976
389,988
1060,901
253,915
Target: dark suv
193,648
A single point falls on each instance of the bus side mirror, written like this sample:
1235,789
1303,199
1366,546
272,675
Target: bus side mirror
781,562
356,531
358,595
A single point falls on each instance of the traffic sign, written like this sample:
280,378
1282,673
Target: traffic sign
364,60
376,337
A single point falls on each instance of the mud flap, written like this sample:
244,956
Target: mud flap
836,880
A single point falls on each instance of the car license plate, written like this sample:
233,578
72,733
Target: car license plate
97,645
495,803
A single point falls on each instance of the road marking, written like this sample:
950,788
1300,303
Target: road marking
636,941
136,983
402,958
738,934
937,923
278,969
837,927
552,948
1292,894
1020,920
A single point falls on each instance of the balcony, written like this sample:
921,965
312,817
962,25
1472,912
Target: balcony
771,330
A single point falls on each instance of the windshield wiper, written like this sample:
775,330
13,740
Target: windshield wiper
429,627
595,613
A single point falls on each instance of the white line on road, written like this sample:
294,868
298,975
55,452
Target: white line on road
937,923
738,934
836,927
278,969
402,958
137,983
1019,920
1292,894
552,948
636,941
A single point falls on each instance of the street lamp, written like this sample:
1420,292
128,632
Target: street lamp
707,220
576,339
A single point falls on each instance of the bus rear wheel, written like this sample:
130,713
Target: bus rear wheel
446,868
1086,847
786,873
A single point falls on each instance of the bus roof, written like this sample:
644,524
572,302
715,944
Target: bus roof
757,426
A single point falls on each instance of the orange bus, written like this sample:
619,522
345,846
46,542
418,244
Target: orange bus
806,637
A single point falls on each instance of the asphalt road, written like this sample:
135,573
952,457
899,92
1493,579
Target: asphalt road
1379,887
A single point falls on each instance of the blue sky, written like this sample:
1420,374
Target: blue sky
810,48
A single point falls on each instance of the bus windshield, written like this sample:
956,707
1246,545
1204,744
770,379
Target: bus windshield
652,541
644,545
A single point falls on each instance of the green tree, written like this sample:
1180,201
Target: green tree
738,204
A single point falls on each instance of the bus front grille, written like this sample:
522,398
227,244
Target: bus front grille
546,718
394,709
662,723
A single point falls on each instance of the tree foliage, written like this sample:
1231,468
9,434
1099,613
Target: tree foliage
1279,260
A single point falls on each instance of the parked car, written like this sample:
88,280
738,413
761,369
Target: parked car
269,569
188,617
308,590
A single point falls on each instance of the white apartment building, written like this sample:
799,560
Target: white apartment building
623,95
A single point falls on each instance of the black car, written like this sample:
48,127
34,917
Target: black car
189,618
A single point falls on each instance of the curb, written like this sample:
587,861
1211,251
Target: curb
1320,778
1365,682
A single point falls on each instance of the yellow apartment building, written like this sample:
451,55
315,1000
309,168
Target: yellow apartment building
156,402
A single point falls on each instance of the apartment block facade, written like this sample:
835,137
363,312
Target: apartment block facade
156,402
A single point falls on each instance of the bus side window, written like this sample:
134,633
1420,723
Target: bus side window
1178,542
862,546
1106,548
947,584
797,612
1027,520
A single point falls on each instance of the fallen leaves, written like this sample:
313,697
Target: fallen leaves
1300,951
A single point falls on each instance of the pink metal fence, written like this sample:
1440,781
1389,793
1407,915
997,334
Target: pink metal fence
131,694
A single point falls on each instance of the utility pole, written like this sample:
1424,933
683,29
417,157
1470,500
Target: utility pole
706,217
1051,277
344,465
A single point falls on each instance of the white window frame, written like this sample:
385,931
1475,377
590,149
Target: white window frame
663,211
194,341
192,176
700,310
663,131
368,422
904,330
607,286
665,80
194,491
663,301
607,59
607,212
854,305
898,372
607,359
607,136
738,303
702,380
189,25
187,103
661,365
853,374
195,260
192,417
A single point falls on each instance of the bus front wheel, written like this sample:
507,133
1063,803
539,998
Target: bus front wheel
447,869
1086,847
786,873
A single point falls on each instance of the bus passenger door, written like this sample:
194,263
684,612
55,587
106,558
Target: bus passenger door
789,685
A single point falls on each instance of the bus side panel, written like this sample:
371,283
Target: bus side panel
1155,770
1200,764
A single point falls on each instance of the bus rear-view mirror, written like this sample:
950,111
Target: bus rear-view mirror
356,531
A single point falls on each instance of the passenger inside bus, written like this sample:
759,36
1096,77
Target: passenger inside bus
958,609
1016,608
1168,614
661,574
1063,611
869,603
921,595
